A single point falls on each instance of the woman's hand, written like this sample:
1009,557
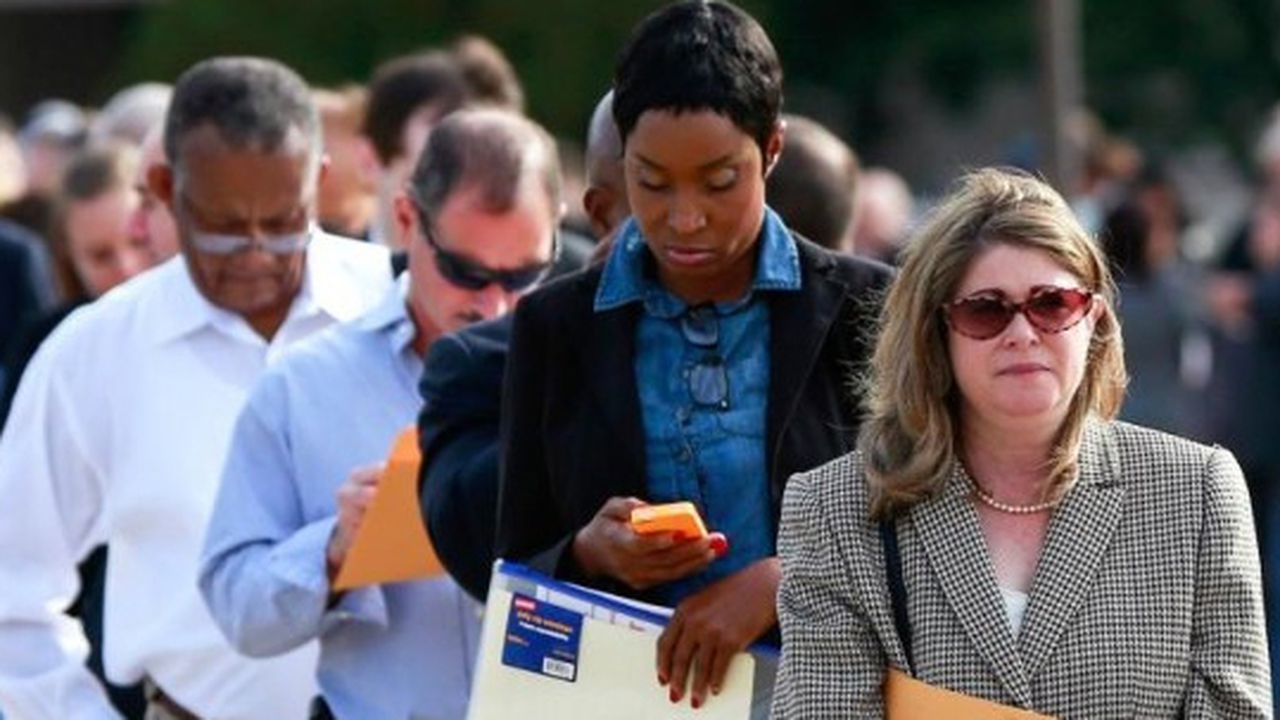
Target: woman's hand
713,625
608,546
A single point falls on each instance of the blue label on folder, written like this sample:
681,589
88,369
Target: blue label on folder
542,638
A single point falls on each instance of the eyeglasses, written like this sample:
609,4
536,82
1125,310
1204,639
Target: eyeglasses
469,275
708,379
229,244
222,244
1049,309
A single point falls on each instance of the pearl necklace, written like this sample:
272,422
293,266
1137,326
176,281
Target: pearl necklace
995,504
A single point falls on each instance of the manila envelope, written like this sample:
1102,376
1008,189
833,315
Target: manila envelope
392,543
906,698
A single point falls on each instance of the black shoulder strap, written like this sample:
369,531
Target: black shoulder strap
897,588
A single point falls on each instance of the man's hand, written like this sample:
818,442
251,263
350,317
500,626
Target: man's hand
608,546
354,497
713,625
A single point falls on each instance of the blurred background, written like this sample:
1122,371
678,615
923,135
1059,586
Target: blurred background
924,86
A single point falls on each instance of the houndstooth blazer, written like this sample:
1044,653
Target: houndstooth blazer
1147,601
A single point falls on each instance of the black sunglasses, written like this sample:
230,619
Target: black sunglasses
469,275
708,379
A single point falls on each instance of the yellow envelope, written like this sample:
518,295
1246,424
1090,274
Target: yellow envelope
906,698
392,543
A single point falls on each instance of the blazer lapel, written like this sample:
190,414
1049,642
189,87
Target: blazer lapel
948,529
1078,538
610,368
798,325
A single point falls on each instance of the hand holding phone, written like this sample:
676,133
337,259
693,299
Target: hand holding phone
679,518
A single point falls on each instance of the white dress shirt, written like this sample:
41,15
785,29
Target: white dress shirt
118,434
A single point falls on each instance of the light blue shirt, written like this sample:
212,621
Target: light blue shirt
710,455
335,403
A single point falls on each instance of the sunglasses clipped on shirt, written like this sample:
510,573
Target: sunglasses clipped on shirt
708,379
987,313
467,274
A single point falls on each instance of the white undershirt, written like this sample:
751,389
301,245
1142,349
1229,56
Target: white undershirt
1015,607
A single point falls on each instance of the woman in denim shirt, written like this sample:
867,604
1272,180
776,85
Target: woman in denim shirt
708,360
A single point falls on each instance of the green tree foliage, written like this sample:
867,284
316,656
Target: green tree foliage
1169,70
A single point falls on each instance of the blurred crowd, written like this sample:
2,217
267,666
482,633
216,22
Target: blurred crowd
80,220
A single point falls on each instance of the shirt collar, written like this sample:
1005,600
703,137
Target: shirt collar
391,316
183,310
326,287
625,279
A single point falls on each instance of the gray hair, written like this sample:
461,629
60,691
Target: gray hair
253,103
131,113
494,151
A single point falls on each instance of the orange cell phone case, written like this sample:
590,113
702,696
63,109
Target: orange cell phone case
680,518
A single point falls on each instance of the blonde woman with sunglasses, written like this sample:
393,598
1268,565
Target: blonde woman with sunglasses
997,533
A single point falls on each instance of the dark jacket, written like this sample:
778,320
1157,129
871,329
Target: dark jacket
572,431
458,433
26,279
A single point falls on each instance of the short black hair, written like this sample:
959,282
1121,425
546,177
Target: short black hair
698,55
812,186
400,87
251,102
489,149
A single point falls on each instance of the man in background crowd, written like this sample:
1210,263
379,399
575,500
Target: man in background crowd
813,185
349,194
882,215
407,96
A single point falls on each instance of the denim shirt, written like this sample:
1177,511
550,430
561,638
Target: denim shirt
709,453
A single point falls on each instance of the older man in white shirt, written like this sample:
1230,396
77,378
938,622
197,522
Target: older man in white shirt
120,427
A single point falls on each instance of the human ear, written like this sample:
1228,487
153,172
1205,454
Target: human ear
405,216
596,202
773,146
160,182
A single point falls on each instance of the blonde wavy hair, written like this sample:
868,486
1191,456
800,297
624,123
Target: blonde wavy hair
910,439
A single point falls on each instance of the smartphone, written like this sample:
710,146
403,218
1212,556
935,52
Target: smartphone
680,518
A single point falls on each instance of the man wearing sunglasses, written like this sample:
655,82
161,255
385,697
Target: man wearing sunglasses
121,422
479,215
462,392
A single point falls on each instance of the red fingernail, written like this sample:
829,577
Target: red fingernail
719,545
674,695
696,702
662,679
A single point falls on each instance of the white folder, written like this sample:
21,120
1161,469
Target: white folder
608,674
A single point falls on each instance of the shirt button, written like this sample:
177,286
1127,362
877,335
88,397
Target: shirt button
685,455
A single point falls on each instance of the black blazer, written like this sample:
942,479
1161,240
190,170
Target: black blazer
572,432
458,433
